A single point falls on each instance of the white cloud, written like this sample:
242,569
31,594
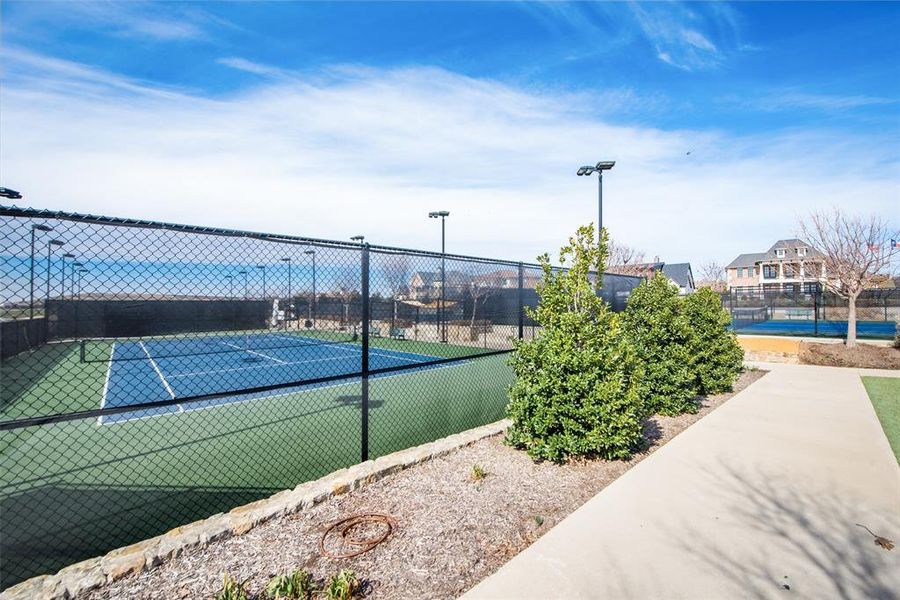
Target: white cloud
682,37
361,150
789,99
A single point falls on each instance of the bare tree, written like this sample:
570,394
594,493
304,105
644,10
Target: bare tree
478,290
712,275
346,286
395,268
858,252
625,260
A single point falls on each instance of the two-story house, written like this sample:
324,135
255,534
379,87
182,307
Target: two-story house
426,286
789,265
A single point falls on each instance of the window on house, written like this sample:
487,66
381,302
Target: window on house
779,253
801,251
770,272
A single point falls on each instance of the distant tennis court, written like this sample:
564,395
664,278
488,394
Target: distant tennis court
808,327
153,370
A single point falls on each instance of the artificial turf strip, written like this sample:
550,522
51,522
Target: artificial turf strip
884,392
77,489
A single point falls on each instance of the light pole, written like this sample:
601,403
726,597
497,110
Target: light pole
34,228
50,245
263,269
80,272
311,314
75,265
442,214
289,314
65,278
603,165
246,284
230,279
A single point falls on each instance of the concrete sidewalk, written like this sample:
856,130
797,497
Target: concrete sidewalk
760,495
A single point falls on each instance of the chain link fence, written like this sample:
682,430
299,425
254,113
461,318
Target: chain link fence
155,374
811,310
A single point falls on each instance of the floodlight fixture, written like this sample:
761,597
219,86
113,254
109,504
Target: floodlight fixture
11,194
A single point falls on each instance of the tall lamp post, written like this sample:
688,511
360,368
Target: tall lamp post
263,269
75,265
603,165
230,279
34,228
65,277
80,273
50,245
442,215
246,283
311,314
289,314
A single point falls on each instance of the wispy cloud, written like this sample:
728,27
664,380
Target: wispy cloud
133,19
683,37
370,150
790,99
255,68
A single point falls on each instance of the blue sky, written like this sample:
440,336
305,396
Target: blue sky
357,117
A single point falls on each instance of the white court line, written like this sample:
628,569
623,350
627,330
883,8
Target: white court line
285,363
106,382
299,362
158,372
254,352
291,393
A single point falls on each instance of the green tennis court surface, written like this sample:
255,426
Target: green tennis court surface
152,474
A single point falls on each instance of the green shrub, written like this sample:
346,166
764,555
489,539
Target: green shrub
232,589
577,383
298,585
343,586
655,323
716,356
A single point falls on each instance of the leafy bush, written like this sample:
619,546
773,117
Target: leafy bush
298,585
716,356
232,589
577,383
897,334
655,323
343,586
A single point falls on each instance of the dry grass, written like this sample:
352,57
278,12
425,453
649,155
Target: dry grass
453,529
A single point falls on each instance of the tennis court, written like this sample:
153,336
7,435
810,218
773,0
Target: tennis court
809,327
153,370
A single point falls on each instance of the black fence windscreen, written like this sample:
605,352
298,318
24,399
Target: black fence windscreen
155,374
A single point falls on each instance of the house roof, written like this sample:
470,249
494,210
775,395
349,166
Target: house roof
790,246
680,273
430,278
746,260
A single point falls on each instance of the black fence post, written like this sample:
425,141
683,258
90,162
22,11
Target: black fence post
521,300
365,354
816,311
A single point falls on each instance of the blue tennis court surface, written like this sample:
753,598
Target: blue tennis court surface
802,327
157,370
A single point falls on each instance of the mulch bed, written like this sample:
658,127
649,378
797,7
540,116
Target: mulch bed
862,356
452,531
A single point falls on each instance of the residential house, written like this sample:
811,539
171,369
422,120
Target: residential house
789,265
506,279
678,273
426,285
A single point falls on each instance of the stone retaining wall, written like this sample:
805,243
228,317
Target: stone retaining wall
80,578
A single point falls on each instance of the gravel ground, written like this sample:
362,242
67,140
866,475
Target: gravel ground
452,531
